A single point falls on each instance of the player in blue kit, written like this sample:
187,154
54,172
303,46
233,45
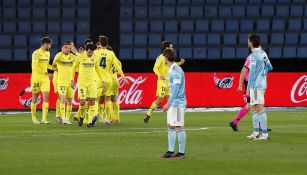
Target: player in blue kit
259,67
175,106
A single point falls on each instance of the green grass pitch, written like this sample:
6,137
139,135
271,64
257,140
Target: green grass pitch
134,147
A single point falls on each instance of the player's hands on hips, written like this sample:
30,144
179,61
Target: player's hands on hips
72,84
165,107
162,77
240,88
247,93
126,81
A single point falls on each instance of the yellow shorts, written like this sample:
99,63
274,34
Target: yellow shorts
162,88
87,91
114,87
40,85
65,90
108,90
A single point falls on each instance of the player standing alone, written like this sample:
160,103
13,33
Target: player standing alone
175,106
259,67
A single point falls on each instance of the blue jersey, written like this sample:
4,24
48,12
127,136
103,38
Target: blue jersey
259,66
177,87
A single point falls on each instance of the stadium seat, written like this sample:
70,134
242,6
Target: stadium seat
303,39
9,13
39,27
263,25
155,12
183,2
24,13
20,54
252,11
83,26
155,2
126,40
68,26
154,40
5,54
282,11
84,13
8,3
296,11
169,2
241,52
126,26
217,26
201,26
126,2
294,25
289,52
34,40
38,3
197,2
140,3
267,11
277,38
199,39
20,41
275,52
241,2
140,40
54,3
153,53
210,11
238,11
171,26
141,12
80,2
243,37
302,52
278,25
38,13
230,39
54,13
270,2
291,39
185,53
225,11
213,39
232,25
213,53
171,37
264,38
286,2
126,12
65,37
298,1
139,53
81,38
246,26
226,2
125,53
53,26
5,41
212,2
168,12
156,26
186,26
228,53
9,27
196,11
24,27
141,26
199,53
255,2
305,25
185,40
182,11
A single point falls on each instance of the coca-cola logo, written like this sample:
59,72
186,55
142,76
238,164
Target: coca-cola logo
132,95
299,90
4,83
25,97
223,83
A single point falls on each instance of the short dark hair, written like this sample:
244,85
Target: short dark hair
254,39
66,43
90,47
87,41
169,54
103,40
46,40
166,44
109,48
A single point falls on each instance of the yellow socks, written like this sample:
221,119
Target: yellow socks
45,111
68,111
82,110
101,111
152,108
33,111
116,111
62,110
57,108
92,111
109,111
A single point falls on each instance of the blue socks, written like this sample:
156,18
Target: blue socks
181,140
263,121
256,121
171,139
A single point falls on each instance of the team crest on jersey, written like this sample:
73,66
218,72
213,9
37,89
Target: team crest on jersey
4,82
223,83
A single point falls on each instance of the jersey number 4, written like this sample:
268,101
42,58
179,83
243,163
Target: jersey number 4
103,63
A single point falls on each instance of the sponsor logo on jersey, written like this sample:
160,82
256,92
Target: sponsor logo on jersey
223,83
4,82
299,90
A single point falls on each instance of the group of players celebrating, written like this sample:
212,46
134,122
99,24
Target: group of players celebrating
97,68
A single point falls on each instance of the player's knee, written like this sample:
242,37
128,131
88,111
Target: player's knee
82,102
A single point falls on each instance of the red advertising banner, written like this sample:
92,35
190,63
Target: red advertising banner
202,90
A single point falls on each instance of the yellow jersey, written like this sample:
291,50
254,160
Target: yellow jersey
160,67
88,68
106,59
65,67
115,71
40,64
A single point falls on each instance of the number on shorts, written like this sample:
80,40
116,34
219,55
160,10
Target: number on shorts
163,89
103,62
35,85
62,88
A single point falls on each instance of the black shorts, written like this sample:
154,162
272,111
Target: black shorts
248,99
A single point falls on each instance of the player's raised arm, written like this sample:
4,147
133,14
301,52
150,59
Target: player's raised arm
156,69
181,62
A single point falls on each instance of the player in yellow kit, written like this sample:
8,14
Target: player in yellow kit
106,58
63,62
40,81
88,66
161,70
